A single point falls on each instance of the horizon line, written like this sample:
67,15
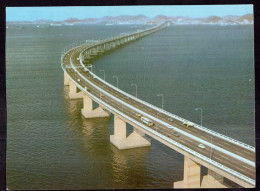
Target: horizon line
44,19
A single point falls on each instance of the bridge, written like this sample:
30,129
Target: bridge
225,158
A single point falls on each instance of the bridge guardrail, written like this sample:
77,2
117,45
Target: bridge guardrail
166,124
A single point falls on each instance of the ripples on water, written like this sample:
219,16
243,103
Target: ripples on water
51,146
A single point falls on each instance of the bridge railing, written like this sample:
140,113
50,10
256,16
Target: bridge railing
210,161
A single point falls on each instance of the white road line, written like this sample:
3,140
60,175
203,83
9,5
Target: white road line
189,140
188,130
218,143
182,141
246,151
239,152
225,157
226,143
247,167
239,168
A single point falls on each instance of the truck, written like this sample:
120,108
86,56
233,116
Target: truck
188,123
147,121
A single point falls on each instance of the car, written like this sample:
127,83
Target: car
201,146
170,119
77,58
138,115
78,80
176,134
102,95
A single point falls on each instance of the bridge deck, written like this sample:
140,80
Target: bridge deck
218,156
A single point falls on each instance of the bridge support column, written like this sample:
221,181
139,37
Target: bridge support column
191,175
119,139
213,180
66,79
88,111
73,94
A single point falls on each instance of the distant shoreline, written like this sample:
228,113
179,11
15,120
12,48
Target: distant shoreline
143,20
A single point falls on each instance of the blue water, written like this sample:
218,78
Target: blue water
51,146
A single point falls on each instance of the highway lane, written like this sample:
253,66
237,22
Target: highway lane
217,156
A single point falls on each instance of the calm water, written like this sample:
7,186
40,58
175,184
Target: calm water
51,146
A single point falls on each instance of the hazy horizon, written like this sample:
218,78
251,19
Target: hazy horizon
63,13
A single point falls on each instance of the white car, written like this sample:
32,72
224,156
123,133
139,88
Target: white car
201,146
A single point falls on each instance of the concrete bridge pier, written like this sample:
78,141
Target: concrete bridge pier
107,46
100,49
191,175
134,140
73,94
88,112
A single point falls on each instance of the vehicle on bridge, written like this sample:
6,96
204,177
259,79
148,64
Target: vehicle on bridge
176,134
138,115
201,146
147,121
188,123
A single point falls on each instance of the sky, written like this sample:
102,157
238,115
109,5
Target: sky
62,13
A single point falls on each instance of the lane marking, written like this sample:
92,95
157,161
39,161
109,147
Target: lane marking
225,157
247,167
239,168
239,152
189,140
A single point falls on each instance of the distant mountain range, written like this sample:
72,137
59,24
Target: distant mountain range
141,19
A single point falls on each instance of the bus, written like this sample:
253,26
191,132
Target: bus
147,121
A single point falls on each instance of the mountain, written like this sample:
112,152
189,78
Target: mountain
142,19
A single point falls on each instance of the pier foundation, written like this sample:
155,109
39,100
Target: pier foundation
89,112
134,140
